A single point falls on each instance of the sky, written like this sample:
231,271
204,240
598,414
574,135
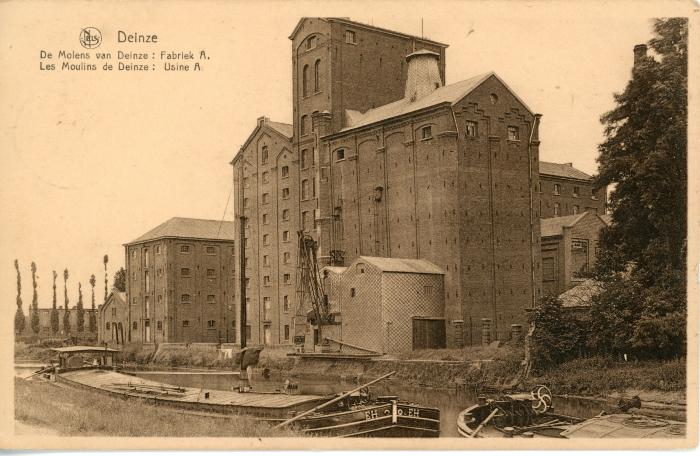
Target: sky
92,160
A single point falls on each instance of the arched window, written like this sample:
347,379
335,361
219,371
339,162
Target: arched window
305,81
317,75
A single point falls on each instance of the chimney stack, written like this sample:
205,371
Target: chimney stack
423,74
640,52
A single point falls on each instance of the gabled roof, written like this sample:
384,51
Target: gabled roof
284,130
401,265
449,94
582,294
189,228
347,21
555,226
565,170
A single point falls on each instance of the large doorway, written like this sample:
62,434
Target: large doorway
428,333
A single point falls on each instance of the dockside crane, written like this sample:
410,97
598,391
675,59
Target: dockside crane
312,299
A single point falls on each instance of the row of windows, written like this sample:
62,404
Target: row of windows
306,81
575,191
184,248
575,209
187,272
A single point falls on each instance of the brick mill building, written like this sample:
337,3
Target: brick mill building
565,190
180,283
385,160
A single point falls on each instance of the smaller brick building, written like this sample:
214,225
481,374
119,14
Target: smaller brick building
569,246
565,190
180,284
387,305
112,319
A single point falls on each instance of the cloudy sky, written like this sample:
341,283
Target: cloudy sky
91,160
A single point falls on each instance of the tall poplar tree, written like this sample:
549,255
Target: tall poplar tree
35,303
66,310
19,313
54,311
643,253
105,260
80,310
93,317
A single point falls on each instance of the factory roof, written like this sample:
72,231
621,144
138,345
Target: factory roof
565,170
189,228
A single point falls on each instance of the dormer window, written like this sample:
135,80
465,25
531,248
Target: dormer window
350,37
311,42
427,132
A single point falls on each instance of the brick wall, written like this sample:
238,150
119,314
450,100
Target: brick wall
586,201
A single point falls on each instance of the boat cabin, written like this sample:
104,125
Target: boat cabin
84,356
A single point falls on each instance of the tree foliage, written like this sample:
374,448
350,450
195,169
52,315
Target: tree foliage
35,303
105,260
19,313
80,309
120,280
92,325
642,256
66,309
558,334
54,310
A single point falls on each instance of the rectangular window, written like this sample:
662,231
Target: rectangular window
266,239
472,129
265,155
427,132
575,209
265,198
185,298
285,171
285,214
304,220
147,305
158,249
265,177
145,258
286,332
286,257
159,325
211,299
285,193
513,133
211,250
266,260
557,189
304,158
266,281
285,236
185,272
350,37
340,154
211,273
133,253
287,279
185,323
107,325
576,194
285,303
556,209
184,249
265,219
211,323
304,189
267,308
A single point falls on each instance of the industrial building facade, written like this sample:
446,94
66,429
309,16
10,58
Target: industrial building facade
385,160
565,190
180,283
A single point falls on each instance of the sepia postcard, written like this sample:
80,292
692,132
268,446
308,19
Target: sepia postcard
349,225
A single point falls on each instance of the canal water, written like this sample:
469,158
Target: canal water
449,401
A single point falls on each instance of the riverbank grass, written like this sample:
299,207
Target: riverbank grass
76,412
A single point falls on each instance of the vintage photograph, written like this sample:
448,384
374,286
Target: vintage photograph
465,224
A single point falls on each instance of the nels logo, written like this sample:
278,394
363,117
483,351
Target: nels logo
90,37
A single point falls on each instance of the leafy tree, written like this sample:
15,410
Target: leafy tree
66,310
120,279
81,311
643,253
19,313
54,310
105,260
35,303
93,316
557,336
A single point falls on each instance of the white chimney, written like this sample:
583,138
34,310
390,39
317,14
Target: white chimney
423,74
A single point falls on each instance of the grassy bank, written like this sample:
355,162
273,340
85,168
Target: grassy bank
79,412
599,376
